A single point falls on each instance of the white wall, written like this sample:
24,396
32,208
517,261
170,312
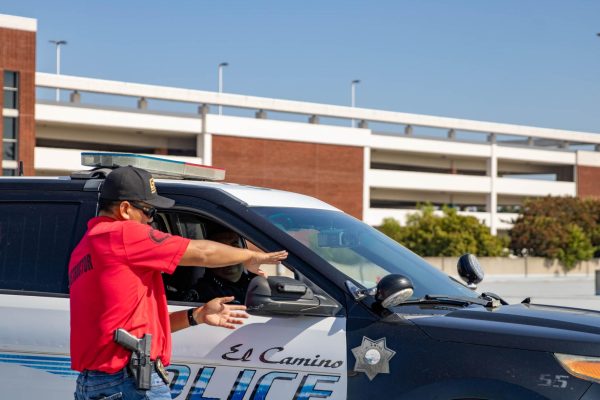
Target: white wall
429,181
375,216
531,155
20,23
588,158
419,145
63,161
126,121
284,130
535,188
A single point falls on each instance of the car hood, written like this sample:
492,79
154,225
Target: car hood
523,326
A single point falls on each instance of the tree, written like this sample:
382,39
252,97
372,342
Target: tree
578,247
566,229
428,234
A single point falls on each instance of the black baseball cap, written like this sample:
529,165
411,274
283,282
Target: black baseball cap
133,184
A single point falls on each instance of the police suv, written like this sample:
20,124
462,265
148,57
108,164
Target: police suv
350,314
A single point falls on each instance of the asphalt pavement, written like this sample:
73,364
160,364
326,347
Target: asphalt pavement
569,291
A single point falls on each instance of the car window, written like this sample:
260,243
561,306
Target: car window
188,225
199,284
35,245
358,250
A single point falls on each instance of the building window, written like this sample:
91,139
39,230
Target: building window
9,172
9,128
11,89
9,151
9,138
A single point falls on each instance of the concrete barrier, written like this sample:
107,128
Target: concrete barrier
518,266
494,267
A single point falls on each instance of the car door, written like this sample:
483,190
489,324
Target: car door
271,356
38,229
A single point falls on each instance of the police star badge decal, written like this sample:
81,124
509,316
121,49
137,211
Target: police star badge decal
372,357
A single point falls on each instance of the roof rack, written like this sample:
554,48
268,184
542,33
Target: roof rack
158,167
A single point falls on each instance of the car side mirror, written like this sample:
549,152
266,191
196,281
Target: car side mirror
285,295
470,270
393,289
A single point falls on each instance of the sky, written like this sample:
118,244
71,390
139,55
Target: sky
530,62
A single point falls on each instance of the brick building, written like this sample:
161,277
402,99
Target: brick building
17,79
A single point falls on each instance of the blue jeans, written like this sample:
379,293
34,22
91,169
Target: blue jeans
96,385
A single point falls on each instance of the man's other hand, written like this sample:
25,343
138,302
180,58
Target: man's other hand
218,313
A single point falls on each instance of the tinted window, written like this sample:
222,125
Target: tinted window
35,245
10,79
9,128
9,151
10,99
11,84
189,225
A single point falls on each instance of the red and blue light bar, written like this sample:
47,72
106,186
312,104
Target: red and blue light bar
159,167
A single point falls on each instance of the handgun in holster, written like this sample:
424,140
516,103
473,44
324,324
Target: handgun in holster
140,364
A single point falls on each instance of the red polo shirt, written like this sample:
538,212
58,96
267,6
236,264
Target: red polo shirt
115,282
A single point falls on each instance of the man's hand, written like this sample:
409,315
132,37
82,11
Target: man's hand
217,313
259,258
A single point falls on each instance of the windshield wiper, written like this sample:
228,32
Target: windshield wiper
493,296
483,300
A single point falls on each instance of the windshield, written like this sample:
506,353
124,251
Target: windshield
360,251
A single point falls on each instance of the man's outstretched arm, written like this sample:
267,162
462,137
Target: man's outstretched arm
214,255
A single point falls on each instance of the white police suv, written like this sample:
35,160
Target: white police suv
350,315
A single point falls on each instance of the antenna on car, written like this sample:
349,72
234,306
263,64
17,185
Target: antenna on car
21,169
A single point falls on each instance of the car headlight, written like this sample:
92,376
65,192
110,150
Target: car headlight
587,368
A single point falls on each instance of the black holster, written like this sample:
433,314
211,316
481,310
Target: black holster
140,365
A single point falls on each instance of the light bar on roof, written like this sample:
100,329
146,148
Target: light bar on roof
159,167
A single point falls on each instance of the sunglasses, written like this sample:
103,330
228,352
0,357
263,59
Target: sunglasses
148,211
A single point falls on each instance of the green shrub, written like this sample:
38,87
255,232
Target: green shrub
430,235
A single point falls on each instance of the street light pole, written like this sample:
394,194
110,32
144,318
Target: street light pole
221,66
58,43
353,95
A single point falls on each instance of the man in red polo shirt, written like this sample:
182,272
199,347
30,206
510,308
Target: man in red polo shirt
115,282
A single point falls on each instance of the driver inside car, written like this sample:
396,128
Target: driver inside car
232,280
